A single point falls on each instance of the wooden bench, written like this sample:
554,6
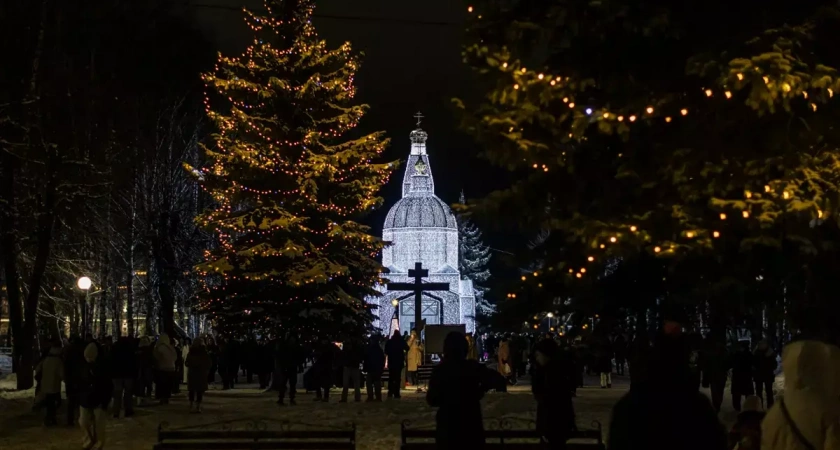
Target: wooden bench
255,435
503,437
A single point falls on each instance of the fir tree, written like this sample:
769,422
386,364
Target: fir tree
289,184
472,262
712,152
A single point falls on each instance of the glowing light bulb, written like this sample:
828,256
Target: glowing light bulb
613,239
620,118
741,76
606,115
540,76
632,118
633,228
746,214
708,92
649,110
578,275
602,246
748,194
582,270
689,234
668,120
524,70
592,258
716,234
728,94
469,9
819,214
524,278
516,86
504,65
684,112
766,188
657,249
786,195
588,111
571,105
722,216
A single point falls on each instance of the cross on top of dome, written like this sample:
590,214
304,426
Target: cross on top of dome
418,136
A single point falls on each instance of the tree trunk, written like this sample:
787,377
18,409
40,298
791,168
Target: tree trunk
8,247
129,297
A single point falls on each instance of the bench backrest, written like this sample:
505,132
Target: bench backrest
501,439
256,439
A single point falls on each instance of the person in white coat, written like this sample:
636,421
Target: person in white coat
185,351
808,415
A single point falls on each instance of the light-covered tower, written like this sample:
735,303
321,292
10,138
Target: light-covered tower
420,227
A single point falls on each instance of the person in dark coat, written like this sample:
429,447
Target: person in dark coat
94,395
373,366
198,364
264,363
351,358
620,353
146,366
664,411
455,388
714,368
603,362
227,363
742,377
123,368
551,387
764,372
213,351
287,358
395,350
323,371
74,363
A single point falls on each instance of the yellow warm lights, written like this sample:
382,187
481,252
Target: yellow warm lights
524,278
716,234
684,112
590,259
746,214
469,9
722,216
657,249
632,118
689,234
708,92
649,110
633,228
728,94
582,270
579,275
786,195
613,239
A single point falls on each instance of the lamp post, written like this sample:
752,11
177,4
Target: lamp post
396,304
84,284
549,315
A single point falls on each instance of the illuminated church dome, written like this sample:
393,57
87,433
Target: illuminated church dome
421,228
413,212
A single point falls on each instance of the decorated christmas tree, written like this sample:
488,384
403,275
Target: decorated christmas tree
289,185
472,262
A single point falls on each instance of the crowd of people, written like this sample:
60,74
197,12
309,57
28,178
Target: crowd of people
664,404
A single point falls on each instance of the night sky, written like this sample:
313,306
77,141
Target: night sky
412,63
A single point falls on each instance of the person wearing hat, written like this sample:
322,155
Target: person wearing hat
95,395
746,433
808,415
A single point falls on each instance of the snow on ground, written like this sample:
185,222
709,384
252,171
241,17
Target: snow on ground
378,424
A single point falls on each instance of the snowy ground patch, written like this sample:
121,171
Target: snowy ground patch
378,423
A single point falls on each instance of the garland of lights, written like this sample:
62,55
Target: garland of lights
285,238
521,79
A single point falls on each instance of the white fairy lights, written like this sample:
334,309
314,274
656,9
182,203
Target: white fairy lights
422,228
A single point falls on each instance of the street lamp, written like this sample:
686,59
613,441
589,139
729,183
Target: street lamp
84,284
549,315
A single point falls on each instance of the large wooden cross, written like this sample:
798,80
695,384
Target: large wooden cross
418,273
